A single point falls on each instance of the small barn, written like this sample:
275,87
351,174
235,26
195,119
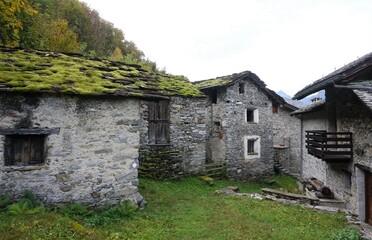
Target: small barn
337,135
74,129
244,121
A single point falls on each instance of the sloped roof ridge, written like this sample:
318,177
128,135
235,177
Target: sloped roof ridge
335,76
231,79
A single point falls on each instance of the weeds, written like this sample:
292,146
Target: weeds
347,234
99,216
27,204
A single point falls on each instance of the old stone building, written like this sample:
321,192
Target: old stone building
286,138
244,119
337,135
72,129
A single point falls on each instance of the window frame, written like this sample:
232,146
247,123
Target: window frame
275,108
256,140
25,150
23,133
241,88
251,115
158,122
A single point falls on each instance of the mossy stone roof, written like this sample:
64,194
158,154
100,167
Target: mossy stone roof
41,71
229,80
226,81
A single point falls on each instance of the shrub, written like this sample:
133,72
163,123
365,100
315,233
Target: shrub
27,204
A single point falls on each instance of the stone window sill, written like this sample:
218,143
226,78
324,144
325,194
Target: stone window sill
23,168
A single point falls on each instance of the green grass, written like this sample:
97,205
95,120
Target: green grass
184,209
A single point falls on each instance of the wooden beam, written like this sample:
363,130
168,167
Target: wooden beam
29,131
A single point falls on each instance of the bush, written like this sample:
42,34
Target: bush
347,234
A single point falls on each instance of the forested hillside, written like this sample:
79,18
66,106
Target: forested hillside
65,26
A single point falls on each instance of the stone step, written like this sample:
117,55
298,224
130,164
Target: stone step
334,203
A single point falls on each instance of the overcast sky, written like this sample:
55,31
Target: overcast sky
287,43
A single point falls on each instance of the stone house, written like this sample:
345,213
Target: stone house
337,135
73,129
244,119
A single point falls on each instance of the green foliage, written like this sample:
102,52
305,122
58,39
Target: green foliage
75,210
347,234
5,201
99,216
27,204
11,20
64,25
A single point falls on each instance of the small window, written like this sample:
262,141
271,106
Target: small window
217,126
158,122
23,150
251,115
252,147
214,96
275,108
241,88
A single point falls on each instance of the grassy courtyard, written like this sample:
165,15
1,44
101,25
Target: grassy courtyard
184,209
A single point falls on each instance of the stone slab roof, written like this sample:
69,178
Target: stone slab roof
310,108
51,72
365,96
340,76
229,80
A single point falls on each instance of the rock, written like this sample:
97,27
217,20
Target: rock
208,180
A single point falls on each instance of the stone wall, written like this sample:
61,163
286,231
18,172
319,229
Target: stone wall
186,149
93,159
230,111
312,166
287,137
353,116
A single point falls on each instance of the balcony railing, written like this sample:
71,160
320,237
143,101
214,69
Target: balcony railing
332,147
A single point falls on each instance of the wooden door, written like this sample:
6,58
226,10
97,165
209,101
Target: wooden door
368,182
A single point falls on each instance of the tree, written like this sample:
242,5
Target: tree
10,22
116,55
59,37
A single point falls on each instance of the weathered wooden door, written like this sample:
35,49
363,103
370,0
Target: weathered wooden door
368,197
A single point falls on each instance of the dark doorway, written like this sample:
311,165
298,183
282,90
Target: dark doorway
368,197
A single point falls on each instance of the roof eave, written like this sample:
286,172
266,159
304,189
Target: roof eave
316,87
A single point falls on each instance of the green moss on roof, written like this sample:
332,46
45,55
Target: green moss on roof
180,85
41,71
213,82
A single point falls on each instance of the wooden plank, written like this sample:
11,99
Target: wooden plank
316,144
29,131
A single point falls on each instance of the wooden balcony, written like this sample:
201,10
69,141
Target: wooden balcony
331,147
